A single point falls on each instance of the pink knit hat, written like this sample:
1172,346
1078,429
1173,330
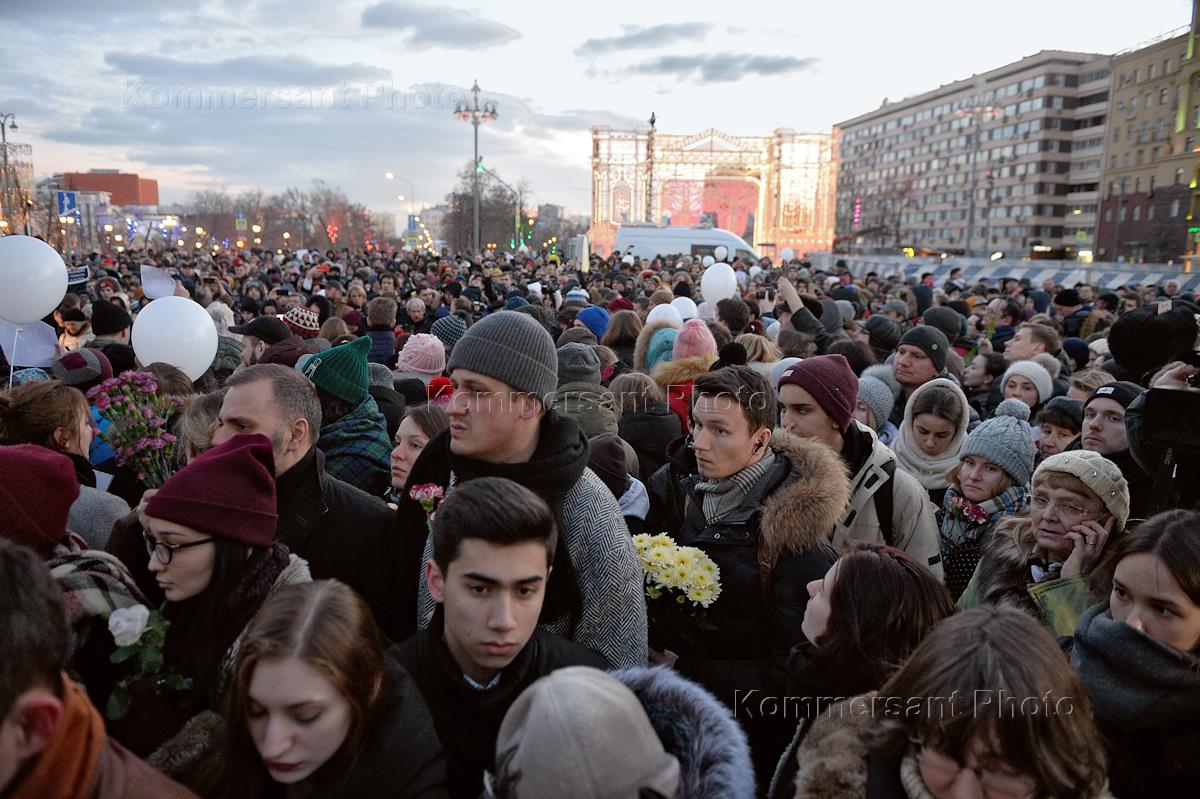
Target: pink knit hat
694,341
423,354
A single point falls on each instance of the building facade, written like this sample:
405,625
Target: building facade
126,189
1153,158
1008,161
774,191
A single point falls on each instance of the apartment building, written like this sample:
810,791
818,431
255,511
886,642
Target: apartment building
1008,161
1152,155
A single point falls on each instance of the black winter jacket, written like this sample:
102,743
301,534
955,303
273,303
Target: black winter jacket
650,430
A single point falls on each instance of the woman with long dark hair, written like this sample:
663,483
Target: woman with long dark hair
318,709
871,610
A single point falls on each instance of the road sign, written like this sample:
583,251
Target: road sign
1081,235
68,202
240,222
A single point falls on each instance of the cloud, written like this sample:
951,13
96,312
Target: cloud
636,37
433,26
719,67
286,70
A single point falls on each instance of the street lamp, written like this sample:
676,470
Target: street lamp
976,113
256,228
476,114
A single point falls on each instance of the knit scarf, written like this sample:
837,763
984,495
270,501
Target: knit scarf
910,778
956,530
357,448
723,496
66,769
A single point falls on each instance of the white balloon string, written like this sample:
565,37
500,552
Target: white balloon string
12,364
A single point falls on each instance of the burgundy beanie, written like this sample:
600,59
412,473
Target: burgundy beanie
36,494
228,492
831,382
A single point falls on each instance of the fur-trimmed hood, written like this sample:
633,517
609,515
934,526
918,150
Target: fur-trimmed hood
832,760
711,747
683,370
804,511
1003,571
643,340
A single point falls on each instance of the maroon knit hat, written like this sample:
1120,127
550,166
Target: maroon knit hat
620,304
228,492
36,494
830,381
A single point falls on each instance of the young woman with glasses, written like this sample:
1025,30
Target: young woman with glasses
987,707
209,534
1041,562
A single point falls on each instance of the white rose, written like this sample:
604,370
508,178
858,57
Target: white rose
128,624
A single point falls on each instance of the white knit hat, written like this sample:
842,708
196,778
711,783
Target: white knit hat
1036,373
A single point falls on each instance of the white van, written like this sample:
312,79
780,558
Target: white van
646,241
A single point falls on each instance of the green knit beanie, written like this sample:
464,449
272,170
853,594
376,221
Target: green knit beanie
342,371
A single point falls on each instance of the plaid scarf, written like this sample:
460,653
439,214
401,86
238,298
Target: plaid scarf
357,448
94,584
956,531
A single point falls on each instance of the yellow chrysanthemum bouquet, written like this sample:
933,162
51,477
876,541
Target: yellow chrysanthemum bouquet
679,581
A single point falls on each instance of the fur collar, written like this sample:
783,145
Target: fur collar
804,511
643,341
832,760
713,754
683,370
1004,567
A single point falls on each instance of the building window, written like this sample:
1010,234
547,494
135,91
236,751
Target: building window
1150,212
1162,96
1137,213
1107,214
1178,178
1137,185
1174,208
1141,157
1121,214
1189,144
1128,159
1150,72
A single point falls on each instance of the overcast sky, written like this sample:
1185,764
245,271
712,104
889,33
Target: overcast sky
272,93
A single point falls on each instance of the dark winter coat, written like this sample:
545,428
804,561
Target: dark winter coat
467,720
624,353
400,757
767,550
650,430
1146,699
383,346
391,404
343,533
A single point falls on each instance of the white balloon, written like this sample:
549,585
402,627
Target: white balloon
788,253
685,306
664,311
627,260
708,260
177,331
718,283
721,252
34,278
755,271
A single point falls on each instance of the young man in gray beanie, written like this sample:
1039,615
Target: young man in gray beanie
505,373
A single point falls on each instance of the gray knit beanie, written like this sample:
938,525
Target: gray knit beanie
878,397
1102,477
449,329
1006,441
578,363
512,348
1035,373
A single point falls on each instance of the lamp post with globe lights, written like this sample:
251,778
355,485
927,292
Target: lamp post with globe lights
476,114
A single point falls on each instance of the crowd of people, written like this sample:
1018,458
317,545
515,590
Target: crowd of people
399,546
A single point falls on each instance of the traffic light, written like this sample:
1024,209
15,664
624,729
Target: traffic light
479,164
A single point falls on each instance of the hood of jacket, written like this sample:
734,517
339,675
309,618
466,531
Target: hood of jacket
589,404
803,512
712,750
931,471
1136,683
683,370
643,341
832,760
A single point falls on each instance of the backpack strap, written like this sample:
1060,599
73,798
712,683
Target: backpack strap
885,504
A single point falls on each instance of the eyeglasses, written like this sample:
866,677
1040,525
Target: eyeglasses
994,784
1068,512
164,552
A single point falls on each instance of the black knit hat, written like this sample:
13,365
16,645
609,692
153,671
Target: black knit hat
1067,298
1121,392
930,341
1063,412
109,318
884,335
